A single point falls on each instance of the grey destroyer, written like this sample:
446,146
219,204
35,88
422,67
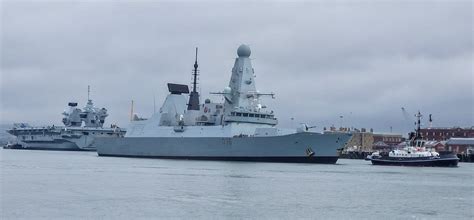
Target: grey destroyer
81,127
239,129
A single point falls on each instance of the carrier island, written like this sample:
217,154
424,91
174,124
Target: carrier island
239,129
81,127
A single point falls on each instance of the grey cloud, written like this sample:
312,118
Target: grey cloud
362,60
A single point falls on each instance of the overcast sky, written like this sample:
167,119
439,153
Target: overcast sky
360,60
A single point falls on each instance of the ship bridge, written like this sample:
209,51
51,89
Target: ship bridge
251,117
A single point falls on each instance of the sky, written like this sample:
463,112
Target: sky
362,60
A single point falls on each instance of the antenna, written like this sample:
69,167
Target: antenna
131,112
193,103
88,92
195,71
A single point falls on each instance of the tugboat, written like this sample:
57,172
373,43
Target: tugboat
81,127
414,153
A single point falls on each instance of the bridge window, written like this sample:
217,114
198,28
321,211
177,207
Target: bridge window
232,113
245,114
251,115
238,114
262,116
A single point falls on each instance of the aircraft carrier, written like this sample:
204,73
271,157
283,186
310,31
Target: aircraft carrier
81,127
240,129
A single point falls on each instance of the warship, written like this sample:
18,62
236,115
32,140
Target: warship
239,129
81,127
414,153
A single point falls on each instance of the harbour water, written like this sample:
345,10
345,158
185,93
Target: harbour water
81,185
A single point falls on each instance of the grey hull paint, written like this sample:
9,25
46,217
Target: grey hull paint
50,145
285,148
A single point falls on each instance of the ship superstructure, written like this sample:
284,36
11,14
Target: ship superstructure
81,127
241,129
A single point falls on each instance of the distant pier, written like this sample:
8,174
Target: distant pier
355,155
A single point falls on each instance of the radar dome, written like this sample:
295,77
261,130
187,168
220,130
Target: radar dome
243,51
227,90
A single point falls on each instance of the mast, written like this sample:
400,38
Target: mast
431,121
89,106
194,96
418,125
195,71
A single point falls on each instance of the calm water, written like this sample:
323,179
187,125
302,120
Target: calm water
66,185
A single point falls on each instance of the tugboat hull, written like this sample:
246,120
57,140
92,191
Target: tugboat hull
445,161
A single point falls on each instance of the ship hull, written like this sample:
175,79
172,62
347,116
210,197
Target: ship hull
60,138
444,161
293,148
58,145
315,159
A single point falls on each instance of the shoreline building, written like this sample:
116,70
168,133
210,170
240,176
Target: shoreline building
461,145
366,141
445,133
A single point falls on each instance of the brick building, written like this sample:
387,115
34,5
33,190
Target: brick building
461,145
388,138
364,140
442,134
435,145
